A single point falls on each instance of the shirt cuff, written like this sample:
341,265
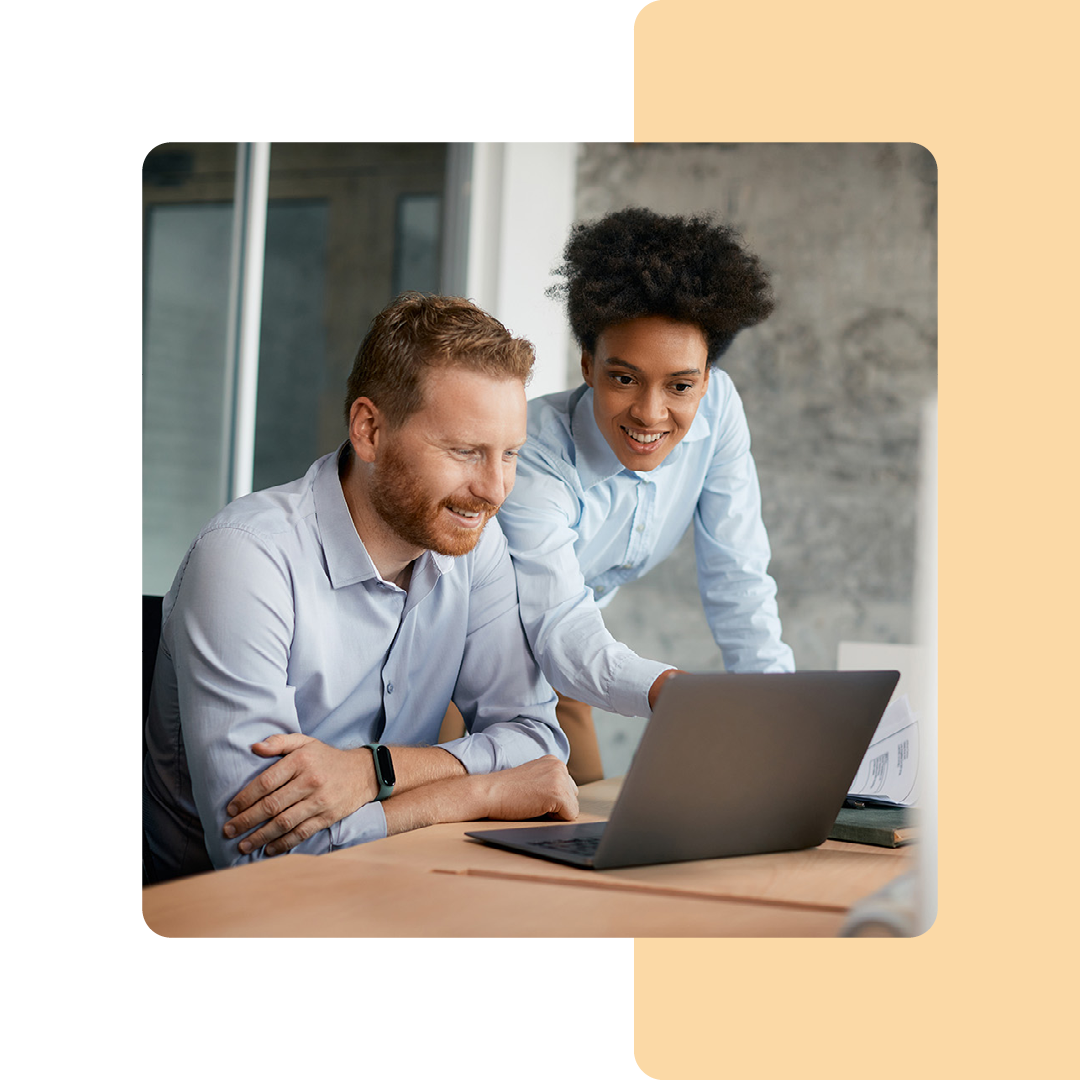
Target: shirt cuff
633,680
503,747
359,827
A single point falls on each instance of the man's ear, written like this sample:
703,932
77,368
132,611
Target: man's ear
586,367
366,424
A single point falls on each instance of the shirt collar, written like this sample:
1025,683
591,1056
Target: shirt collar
347,560
593,457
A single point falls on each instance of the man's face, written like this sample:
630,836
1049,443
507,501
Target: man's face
440,477
648,377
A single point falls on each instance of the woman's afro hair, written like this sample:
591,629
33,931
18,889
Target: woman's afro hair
635,262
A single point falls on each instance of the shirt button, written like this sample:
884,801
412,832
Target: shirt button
640,528
389,687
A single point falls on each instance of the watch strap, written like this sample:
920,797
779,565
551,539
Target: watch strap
385,777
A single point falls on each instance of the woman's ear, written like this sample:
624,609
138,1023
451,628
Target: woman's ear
586,367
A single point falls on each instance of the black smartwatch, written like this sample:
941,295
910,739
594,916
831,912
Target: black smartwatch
384,769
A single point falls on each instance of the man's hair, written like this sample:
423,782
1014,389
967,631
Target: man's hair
416,333
635,262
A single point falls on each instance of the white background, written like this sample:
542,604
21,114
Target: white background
89,90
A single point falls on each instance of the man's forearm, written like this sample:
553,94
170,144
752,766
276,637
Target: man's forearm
311,786
420,766
539,787
457,798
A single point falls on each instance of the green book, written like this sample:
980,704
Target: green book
885,826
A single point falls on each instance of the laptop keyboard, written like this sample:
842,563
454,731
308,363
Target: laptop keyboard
575,845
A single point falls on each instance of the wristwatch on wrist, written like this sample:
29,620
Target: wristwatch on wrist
384,769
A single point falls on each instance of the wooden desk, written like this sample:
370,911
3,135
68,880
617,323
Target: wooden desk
435,882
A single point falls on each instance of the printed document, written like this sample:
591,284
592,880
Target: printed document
890,770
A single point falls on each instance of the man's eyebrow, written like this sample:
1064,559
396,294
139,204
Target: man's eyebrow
612,361
468,444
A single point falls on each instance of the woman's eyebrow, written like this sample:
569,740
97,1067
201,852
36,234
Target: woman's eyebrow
613,360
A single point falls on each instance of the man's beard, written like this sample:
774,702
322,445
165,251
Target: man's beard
400,500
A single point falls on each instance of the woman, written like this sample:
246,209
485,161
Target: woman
615,470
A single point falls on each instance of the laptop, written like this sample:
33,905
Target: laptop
729,764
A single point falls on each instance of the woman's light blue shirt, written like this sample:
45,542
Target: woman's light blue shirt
580,525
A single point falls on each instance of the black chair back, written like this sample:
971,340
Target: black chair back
151,635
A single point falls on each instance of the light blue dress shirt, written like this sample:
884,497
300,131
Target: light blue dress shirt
278,621
580,525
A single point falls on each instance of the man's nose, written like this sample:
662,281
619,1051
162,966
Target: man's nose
493,483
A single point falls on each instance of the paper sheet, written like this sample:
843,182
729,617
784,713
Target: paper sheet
890,769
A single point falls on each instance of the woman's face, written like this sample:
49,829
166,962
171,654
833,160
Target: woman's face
648,377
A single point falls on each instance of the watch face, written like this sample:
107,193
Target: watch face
386,766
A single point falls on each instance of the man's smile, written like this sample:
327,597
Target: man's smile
469,515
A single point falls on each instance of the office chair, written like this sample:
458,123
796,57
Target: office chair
151,634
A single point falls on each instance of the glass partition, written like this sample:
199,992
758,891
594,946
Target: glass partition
349,225
188,216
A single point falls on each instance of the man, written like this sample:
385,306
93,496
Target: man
329,622
616,470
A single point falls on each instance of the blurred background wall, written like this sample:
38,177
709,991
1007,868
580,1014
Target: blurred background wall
833,381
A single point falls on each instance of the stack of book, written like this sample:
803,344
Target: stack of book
863,821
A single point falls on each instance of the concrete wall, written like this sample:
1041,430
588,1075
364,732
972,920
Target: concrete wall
832,383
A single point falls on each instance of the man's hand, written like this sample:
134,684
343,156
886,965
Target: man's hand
654,690
531,790
311,787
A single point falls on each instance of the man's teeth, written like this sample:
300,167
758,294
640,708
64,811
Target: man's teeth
637,437
465,513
